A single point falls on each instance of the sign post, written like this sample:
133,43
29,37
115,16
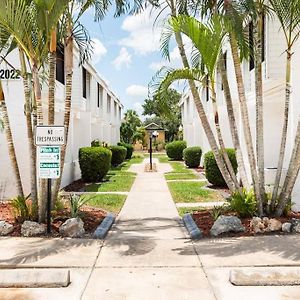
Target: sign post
49,139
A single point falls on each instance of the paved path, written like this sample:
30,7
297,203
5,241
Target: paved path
142,256
147,256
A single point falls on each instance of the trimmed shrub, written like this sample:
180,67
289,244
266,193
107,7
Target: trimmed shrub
175,149
94,163
118,154
129,148
192,156
212,172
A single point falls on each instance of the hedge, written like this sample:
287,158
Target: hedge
94,163
118,154
212,172
129,148
175,149
192,156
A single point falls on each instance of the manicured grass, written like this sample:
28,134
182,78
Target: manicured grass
179,167
189,210
118,179
180,176
116,183
184,191
110,203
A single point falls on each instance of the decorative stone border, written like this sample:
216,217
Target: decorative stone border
191,227
102,230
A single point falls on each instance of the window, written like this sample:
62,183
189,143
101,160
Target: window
207,89
60,64
83,82
108,103
99,95
251,42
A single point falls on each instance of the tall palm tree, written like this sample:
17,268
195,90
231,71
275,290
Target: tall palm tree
288,14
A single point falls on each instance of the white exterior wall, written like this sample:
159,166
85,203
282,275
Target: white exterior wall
87,123
274,95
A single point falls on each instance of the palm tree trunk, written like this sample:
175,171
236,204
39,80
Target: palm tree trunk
10,143
232,124
32,148
221,141
69,77
292,174
201,112
52,73
284,130
259,108
245,121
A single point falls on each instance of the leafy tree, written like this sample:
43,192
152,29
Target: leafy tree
130,126
164,110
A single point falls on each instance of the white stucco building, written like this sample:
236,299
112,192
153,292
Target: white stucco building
274,96
95,114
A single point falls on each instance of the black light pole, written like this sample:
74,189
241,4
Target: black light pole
150,150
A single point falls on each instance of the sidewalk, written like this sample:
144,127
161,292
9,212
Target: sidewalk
147,255
141,257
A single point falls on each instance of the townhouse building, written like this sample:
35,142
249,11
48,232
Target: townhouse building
95,114
274,58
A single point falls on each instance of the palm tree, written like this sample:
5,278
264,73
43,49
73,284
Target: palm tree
287,12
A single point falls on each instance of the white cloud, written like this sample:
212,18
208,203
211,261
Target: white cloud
143,36
124,58
137,106
156,66
99,50
137,91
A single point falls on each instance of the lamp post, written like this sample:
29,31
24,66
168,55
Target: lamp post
153,134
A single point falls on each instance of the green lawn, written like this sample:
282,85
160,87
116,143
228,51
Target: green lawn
118,179
188,210
110,203
184,191
180,176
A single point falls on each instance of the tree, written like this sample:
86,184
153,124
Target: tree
129,126
166,111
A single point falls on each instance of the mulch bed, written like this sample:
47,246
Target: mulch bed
204,221
91,216
75,186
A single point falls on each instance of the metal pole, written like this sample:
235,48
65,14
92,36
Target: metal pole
49,205
151,152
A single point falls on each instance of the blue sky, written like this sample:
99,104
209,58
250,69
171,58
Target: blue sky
126,54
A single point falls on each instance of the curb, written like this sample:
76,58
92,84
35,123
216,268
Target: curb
191,227
102,230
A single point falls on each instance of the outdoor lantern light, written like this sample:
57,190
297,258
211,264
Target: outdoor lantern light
180,128
155,134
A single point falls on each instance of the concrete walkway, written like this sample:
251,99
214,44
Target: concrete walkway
141,257
148,256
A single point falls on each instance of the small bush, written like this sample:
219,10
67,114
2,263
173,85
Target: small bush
175,149
129,148
244,203
94,163
192,156
76,202
24,209
118,154
212,172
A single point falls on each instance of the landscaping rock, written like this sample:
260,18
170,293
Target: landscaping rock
295,225
273,225
257,225
72,228
227,224
286,227
5,228
30,228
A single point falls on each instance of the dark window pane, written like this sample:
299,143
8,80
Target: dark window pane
83,82
60,64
